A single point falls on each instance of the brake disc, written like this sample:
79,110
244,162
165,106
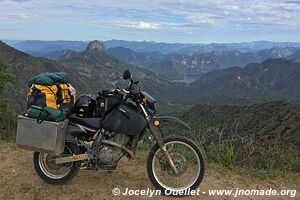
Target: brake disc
179,161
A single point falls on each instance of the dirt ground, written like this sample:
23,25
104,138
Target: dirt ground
19,181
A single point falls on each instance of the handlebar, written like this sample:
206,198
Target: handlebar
133,88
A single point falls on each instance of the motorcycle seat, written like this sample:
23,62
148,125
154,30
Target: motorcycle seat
87,122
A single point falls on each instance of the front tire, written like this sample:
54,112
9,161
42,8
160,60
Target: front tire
182,157
46,169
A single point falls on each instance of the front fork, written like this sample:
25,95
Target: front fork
153,125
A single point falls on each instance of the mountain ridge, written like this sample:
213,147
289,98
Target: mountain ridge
98,71
273,77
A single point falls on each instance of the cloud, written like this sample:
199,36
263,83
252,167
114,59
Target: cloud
142,25
156,15
152,14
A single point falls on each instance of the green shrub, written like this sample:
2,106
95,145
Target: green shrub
7,115
223,153
274,159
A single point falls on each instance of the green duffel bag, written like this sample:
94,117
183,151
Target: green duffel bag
45,113
48,78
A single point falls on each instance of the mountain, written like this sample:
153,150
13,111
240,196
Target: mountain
47,49
271,78
141,59
103,71
295,55
145,46
95,45
94,69
53,55
24,66
175,61
35,47
89,71
67,54
187,48
190,67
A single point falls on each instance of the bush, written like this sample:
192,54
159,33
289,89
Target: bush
223,154
225,146
8,122
7,115
275,158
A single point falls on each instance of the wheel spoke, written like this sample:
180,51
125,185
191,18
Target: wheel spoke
51,169
185,159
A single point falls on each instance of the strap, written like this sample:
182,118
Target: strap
58,96
59,99
70,95
39,119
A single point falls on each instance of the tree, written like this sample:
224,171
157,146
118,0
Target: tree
5,76
7,116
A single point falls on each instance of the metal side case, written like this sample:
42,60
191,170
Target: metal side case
47,137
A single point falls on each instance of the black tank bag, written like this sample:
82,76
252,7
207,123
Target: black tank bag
107,100
124,119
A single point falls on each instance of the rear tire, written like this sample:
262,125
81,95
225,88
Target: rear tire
175,138
51,179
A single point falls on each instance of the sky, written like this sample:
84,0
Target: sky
190,21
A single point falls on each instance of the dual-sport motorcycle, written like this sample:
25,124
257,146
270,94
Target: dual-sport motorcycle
98,142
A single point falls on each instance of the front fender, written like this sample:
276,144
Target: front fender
169,119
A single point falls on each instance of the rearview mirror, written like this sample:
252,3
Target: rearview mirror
126,74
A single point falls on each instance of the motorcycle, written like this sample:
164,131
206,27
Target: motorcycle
174,162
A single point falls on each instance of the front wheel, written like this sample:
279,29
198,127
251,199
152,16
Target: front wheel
53,173
188,161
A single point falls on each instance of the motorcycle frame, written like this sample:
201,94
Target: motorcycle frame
151,125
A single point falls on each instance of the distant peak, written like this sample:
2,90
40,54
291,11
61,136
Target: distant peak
95,45
67,54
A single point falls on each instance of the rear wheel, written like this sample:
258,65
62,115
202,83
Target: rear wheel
53,173
187,159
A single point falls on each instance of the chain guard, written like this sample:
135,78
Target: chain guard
50,162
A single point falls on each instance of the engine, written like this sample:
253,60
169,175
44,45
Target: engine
110,155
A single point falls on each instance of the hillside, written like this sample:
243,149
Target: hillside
186,62
96,68
271,78
150,46
103,71
141,59
24,66
269,123
47,49
258,137
264,114
190,67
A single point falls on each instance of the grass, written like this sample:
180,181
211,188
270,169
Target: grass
143,149
226,162
264,174
8,144
272,165
247,172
